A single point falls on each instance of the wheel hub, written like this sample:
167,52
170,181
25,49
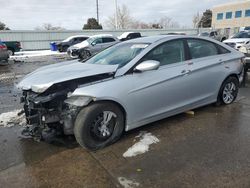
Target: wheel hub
104,125
229,93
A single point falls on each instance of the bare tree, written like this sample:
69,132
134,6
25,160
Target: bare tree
49,27
166,22
196,19
124,19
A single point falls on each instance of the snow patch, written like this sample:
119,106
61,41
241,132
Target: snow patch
127,183
28,54
142,146
12,118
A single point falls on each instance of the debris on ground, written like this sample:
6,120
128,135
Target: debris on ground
9,119
127,183
146,139
191,113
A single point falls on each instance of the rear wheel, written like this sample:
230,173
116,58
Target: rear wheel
98,125
228,91
11,52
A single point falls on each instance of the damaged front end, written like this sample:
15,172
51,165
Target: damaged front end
53,112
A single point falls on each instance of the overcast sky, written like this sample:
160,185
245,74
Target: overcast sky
72,14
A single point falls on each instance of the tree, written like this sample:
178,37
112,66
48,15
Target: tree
49,27
92,24
206,19
3,26
196,20
124,19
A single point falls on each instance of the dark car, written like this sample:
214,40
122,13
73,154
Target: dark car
65,44
4,56
13,46
129,35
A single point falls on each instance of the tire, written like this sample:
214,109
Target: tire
84,54
11,52
64,48
228,91
88,123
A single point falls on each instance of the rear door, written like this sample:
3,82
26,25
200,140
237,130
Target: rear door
108,41
206,69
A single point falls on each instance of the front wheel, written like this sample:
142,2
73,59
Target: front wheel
228,91
98,125
84,54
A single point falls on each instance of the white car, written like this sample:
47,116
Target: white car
91,46
238,40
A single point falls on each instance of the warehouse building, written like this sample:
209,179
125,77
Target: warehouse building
231,16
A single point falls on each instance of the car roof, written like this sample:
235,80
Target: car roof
153,39
102,35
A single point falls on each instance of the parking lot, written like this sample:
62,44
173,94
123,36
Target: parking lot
208,147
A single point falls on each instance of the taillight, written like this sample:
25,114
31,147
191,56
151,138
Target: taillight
243,60
3,46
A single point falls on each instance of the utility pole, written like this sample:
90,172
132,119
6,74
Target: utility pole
97,11
116,15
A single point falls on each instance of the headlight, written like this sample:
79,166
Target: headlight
79,100
40,88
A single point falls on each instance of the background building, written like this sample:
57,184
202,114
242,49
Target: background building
231,16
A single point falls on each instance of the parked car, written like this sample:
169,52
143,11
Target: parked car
130,84
214,35
245,28
238,40
129,35
4,55
246,50
13,46
92,46
65,44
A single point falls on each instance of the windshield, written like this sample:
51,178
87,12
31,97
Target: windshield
242,35
119,54
91,39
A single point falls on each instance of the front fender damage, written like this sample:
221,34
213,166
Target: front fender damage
53,112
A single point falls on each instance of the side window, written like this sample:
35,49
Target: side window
167,53
82,39
222,50
107,39
98,41
201,48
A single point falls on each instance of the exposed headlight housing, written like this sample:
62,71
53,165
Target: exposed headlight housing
79,100
40,88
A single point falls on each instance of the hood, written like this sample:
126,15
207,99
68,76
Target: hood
81,45
237,40
41,79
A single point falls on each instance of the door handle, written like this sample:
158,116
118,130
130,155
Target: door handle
185,72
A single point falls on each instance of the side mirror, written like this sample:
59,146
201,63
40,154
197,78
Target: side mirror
93,43
147,66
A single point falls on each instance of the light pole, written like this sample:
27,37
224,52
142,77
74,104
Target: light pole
116,15
97,11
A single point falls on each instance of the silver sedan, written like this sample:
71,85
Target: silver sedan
131,84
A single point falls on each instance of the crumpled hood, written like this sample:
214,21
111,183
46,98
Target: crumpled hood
236,40
47,76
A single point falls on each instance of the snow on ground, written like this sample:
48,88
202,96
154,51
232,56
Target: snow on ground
127,183
9,119
23,55
146,139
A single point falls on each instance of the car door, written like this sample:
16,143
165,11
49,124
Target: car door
163,92
206,70
97,45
